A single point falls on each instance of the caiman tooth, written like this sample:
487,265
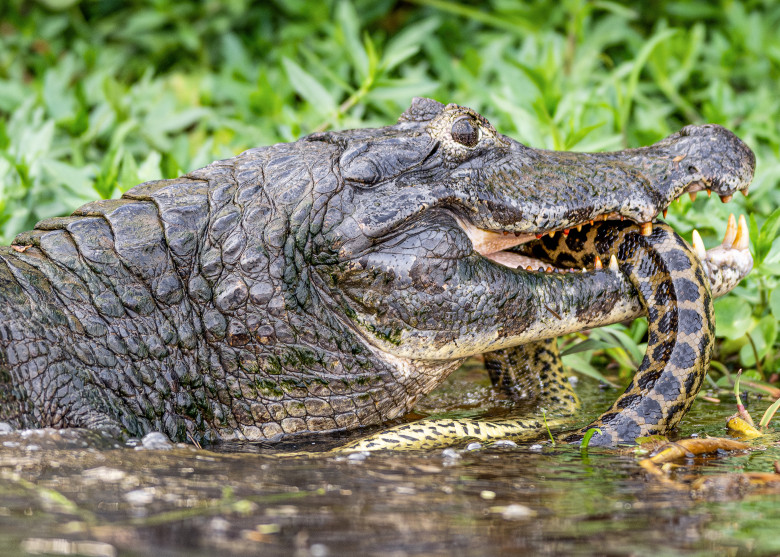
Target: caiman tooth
597,264
709,192
539,236
517,233
584,270
725,198
613,264
731,232
529,268
591,222
646,228
579,228
698,245
743,234
665,211
744,192
693,195
548,269
566,231
551,233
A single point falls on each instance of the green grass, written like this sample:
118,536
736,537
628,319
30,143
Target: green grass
100,95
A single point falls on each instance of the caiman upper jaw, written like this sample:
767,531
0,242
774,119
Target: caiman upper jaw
704,158
561,191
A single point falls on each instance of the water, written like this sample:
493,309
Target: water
76,493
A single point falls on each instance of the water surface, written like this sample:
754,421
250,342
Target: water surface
77,493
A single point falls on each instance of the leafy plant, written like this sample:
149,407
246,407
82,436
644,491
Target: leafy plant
96,96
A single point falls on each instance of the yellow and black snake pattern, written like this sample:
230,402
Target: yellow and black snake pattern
533,372
676,295
681,330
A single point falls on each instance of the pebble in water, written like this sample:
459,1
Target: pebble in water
504,443
516,511
358,457
155,441
140,497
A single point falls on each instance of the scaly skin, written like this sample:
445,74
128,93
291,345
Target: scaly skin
324,284
676,296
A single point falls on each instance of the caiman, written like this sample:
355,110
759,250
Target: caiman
327,284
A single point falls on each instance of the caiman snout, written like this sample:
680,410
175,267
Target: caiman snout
561,190
711,158
707,157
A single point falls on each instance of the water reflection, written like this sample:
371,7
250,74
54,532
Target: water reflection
79,493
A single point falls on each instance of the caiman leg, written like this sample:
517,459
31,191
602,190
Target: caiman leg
533,371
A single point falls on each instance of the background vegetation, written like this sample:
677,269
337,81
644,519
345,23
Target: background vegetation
97,96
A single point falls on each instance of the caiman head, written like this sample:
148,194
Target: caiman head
428,206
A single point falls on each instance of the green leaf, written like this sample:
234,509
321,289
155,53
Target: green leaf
753,234
763,335
56,93
733,317
12,94
587,437
575,137
395,89
150,168
585,345
771,268
236,58
58,5
767,236
774,303
349,25
309,88
77,179
581,365
536,76
517,25
128,172
407,42
619,339
637,65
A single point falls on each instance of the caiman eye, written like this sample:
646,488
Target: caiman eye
465,132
